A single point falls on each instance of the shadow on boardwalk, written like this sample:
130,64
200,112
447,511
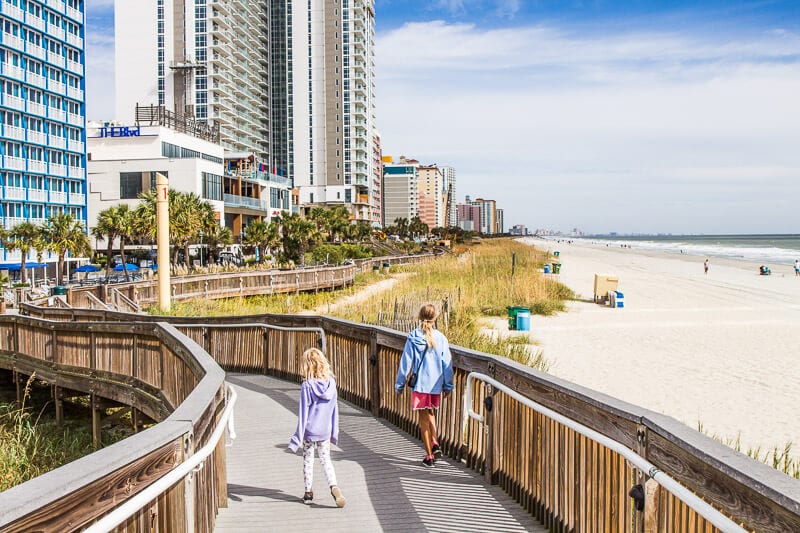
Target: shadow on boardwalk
378,468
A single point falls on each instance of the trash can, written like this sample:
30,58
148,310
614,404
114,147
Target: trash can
547,268
556,254
513,311
556,268
386,264
376,267
619,299
524,320
59,290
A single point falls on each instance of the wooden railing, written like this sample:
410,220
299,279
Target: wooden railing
567,480
156,370
234,284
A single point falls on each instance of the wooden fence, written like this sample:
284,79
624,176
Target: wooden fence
566,480
133,296
156,370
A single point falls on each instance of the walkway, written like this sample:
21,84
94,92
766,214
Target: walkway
378,467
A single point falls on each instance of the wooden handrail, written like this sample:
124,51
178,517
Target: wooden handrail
564,479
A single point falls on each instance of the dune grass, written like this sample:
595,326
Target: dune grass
779,458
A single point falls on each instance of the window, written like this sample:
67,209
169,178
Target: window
212,186
130,185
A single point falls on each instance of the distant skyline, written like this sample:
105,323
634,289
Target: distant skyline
624,116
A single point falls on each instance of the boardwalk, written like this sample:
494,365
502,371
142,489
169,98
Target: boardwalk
378,468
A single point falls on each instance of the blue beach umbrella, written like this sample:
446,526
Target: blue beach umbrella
88,268
128,266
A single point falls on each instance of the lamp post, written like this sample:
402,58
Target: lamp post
200,234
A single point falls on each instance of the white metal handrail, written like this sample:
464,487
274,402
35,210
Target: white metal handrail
127,509
679,491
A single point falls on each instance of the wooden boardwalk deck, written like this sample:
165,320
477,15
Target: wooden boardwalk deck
378,469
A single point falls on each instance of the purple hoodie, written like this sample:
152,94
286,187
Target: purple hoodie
318,418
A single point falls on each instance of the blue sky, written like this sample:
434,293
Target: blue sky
625,116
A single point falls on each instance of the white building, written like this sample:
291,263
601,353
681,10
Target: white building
123,161
332,106
400,195
449,174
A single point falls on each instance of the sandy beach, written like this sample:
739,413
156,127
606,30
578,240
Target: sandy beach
722,349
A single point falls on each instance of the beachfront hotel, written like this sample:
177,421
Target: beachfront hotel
332,113
43,168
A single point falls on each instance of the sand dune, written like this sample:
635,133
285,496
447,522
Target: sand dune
722,349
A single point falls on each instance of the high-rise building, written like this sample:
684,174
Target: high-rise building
488,223
400,195
208,59
499,223
377,182
332,103
449,174
468,216
431,201
43,168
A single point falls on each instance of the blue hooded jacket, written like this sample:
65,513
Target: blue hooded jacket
434,366
318,417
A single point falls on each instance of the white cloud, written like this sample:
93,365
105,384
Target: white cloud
542,117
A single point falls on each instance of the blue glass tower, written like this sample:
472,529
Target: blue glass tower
42,112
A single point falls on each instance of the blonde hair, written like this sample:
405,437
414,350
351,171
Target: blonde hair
314,365
427,318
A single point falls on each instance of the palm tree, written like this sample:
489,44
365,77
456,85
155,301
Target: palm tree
297,234
24,237
214,237
262,235
65,235
417,227
402,226
112,223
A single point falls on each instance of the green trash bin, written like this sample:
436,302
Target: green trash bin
556,254
513,310
556,268
59,290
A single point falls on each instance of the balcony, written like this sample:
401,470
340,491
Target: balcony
13,12
75,120
77,198
57,32
74,40
13,132
75,67
13,163
14,193
58,197
76,146
10,223
57,169
55,59
37,51
77,172
37,109
75,93
33,20
37,195
14,101
232,200
13,41
57,142
36,79
57,114
37,167
56,86
13,71
74,14
37,137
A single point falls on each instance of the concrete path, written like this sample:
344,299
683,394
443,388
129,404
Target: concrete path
378,468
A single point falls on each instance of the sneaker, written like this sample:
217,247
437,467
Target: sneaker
308,497
336,492
428,461
437,451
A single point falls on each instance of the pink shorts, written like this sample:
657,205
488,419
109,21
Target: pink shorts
423,400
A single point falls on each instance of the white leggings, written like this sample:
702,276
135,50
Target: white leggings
324,452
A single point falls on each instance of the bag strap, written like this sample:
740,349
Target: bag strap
416,370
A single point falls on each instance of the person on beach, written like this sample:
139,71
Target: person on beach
427,356
797,267
705,266
317,422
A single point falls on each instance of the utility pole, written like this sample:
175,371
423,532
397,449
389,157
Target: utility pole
162,242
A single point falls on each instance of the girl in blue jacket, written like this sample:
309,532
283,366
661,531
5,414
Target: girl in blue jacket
427,353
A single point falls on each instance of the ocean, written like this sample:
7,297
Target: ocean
767,249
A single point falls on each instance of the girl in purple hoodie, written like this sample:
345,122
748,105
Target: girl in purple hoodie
317,421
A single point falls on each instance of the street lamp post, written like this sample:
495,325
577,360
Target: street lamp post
200,234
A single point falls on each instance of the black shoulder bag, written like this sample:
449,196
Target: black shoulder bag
412,377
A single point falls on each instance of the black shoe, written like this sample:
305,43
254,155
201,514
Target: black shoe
436,450
428,461
308,497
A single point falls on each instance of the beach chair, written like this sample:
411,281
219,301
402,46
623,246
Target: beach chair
603,284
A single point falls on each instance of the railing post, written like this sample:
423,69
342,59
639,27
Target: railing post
97,440
58,399
374,375
641,517
189,486
651,506
266,351
489,433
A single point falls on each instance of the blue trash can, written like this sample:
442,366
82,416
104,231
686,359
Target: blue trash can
523,320
619,300
547,268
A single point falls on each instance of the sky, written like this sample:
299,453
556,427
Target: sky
606,116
